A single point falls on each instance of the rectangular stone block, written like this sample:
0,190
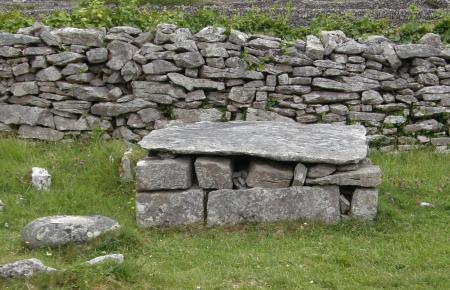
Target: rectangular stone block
170,208
214,172
158,174
365,176
364,203
269,174
319,203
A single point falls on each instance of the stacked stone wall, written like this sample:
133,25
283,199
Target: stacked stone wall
63,82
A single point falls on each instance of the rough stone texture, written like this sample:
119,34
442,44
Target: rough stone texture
40,133
15,114
269,174
157,174
23,269
273,140
194,83
214,172
170,208
55,231
121,53
199,115
365,176
269,205
41,179
364,203
87,37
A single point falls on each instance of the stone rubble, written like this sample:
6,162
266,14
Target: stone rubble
23,269
115,258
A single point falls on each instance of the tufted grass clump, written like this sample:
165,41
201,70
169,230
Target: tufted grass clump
405,248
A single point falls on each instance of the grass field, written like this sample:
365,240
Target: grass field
408,247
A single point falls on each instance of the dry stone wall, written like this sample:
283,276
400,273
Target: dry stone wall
64,82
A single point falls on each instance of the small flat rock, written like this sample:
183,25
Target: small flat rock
416,50
365,176
282,141
77,36
13,39
194,83
39,133
321,170
197,115
23,269
318,203
115,258
170,208
55,231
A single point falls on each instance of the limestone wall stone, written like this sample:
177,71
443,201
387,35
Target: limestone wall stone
126,82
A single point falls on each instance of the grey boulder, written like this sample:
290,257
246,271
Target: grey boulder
55,231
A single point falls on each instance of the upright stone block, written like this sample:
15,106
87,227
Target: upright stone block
300,172
269,205
364,203
158,174
269,174
214,172
170,208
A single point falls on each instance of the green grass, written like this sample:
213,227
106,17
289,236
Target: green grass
407,247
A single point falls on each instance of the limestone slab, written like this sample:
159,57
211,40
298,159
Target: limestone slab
170,208
157,174
269,205
319,143
365,176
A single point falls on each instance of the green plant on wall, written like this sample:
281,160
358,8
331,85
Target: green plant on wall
167,110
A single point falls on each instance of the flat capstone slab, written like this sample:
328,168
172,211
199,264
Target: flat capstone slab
170,208
317,143
319,203
157,174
